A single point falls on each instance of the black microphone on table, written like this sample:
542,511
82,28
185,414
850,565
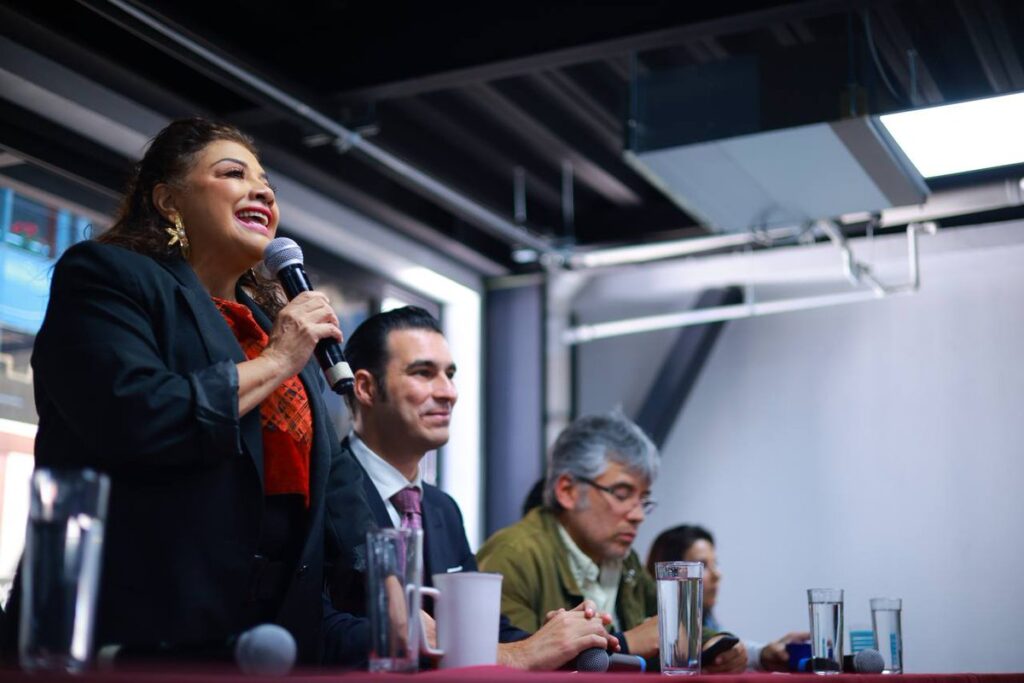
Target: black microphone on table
283,259
596,659
264,650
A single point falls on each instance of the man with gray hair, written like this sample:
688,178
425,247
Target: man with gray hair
579,544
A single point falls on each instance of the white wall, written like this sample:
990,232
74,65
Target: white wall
874,447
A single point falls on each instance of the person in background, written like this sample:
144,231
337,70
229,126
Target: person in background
579,544
534,498
401,408
166,362
693,543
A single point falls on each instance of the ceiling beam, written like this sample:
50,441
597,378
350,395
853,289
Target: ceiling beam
331,185
8,159
894,43
620,66
1004,44
802,30
697,52
550,146
487,154
984,48
577,102
601,50
783,36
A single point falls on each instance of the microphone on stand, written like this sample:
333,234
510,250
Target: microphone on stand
264,650
283,259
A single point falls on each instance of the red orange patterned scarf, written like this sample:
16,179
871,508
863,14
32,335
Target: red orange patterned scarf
285,414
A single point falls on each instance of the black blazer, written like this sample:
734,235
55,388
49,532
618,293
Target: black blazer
135,376
445,548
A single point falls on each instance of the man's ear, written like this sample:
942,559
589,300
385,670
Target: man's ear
364,388
163,200
566,492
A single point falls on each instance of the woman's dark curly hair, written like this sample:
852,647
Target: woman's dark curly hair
168,159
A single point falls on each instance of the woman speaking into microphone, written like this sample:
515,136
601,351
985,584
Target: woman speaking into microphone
166,362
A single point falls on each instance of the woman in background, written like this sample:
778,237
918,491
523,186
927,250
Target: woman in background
167,363
692,543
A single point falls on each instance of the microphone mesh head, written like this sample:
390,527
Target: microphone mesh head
868,662
265,650
593,659
281,252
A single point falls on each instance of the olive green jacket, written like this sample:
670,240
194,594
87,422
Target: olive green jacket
537,578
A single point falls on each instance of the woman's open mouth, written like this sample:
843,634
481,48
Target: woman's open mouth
254,219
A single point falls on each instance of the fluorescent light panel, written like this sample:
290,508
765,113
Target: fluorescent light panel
956,138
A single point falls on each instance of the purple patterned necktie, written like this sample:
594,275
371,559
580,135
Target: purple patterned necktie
407,502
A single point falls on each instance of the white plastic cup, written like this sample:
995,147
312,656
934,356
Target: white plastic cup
468,612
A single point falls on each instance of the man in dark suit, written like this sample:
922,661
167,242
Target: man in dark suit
401,407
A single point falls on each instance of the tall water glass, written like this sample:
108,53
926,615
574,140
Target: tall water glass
60,569
680,615
826,611
394,580
885,619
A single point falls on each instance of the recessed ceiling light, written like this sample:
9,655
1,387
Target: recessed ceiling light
956,138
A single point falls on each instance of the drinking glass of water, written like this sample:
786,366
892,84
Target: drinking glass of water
680,615
885,619
61,569
826,611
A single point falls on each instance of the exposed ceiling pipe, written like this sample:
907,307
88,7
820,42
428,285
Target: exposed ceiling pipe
750,309
658,251
856,272
985,197
991,196
346,139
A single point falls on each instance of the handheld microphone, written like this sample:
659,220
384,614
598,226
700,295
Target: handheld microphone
283,259
264,650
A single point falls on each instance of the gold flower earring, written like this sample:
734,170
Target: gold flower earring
178,236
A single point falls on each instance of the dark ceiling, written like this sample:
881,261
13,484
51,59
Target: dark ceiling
478,94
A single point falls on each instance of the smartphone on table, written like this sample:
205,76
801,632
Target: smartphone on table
721,645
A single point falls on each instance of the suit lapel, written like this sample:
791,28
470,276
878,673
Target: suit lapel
435,537
377,507
220,344
319,453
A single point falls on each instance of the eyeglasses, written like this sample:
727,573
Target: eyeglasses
624,493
